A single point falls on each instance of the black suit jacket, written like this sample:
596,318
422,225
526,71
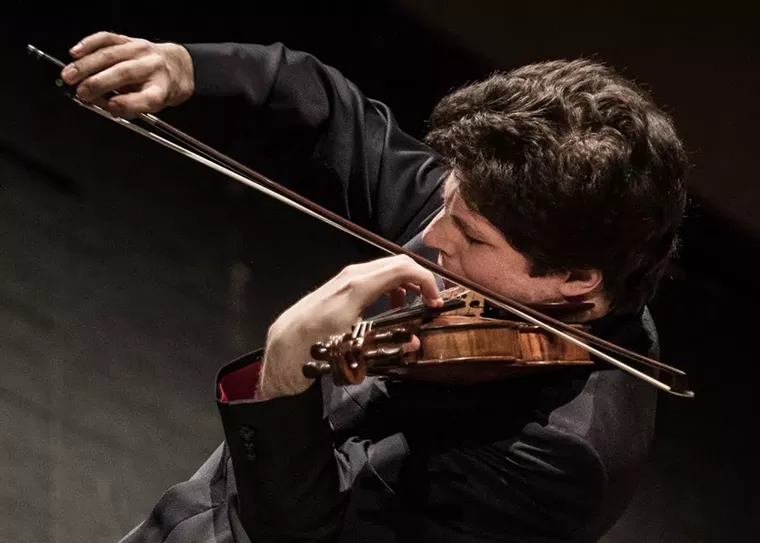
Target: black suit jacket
545,458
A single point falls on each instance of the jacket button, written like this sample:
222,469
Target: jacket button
250,450
247,433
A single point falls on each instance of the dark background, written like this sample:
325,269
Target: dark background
129,275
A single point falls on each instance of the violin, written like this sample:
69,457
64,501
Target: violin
463,342
478,334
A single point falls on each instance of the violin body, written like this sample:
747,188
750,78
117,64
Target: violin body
464,350
456,346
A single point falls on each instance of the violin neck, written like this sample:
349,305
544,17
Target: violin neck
415,310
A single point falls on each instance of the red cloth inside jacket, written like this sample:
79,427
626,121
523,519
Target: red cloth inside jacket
240,384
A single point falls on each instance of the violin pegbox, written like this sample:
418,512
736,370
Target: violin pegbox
347,356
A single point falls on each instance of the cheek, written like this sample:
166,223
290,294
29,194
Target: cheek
501,275
483,268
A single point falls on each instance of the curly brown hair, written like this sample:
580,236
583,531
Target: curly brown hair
576,166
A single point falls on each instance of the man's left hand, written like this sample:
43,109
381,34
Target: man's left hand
333,309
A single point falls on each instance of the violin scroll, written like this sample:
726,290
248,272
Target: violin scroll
349,357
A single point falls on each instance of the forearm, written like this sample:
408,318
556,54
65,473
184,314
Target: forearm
284,461
312,129
230,69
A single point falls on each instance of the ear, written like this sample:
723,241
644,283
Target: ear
581,283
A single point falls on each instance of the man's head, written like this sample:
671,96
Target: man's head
567,183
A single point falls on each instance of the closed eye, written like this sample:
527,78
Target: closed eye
463,229
472,240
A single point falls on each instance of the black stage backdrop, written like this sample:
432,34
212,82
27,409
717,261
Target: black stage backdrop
129,275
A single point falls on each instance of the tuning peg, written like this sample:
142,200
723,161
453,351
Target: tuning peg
396,335
383,352
314,370
319,351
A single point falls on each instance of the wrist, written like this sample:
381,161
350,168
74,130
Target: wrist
181,73
273,385
281,373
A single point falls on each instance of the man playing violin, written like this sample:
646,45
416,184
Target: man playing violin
556,182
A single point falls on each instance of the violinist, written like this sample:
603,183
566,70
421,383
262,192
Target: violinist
559,181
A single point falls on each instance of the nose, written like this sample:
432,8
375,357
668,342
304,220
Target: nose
435,235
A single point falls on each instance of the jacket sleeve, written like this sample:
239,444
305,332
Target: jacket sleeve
292,479
305,125
295,476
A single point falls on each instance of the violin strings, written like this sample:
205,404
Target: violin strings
414,309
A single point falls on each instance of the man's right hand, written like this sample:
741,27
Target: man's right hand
148,76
